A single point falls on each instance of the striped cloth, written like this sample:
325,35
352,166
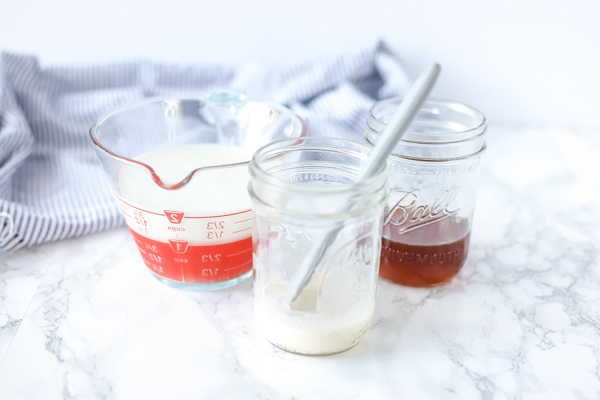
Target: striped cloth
52,186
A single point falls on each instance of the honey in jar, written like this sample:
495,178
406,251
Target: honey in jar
423,257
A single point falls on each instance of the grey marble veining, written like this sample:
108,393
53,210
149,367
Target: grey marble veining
82,319
20,276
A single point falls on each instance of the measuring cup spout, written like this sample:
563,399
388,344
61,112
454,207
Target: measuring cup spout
188,178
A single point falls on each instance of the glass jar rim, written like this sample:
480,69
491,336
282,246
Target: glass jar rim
443,130
478,129
269,150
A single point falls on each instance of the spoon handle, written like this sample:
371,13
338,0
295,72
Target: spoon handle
401,120
398,125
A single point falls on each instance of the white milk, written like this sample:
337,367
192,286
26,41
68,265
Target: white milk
209,192
309,327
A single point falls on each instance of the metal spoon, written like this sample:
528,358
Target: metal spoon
400,122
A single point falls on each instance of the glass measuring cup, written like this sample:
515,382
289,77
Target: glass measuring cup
178,166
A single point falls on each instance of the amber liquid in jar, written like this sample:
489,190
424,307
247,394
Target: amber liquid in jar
408,259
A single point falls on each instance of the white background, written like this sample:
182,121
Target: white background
522,62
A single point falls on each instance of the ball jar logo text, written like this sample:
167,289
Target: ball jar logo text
407,214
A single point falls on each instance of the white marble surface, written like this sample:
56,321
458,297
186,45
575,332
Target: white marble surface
82,319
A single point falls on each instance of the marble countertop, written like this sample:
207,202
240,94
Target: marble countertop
83,319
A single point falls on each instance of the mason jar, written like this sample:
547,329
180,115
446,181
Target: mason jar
302,191
432,180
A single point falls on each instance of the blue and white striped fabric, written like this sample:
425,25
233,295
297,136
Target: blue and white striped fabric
51,184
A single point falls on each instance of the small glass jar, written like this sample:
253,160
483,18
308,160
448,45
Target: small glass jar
432,176
302,189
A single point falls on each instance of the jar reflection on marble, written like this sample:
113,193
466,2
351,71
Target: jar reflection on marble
432,176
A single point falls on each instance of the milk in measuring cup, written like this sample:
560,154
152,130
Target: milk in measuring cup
201,232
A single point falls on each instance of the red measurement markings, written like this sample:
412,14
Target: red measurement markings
241,266
137,208
199,264
240,222
125,213
224,215
178,246
235,254
174,217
